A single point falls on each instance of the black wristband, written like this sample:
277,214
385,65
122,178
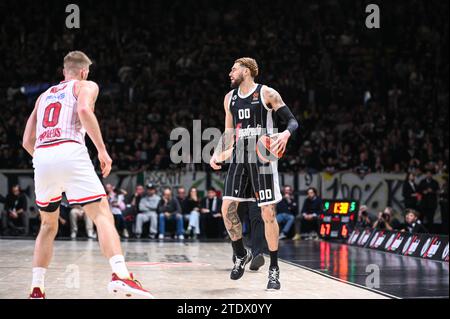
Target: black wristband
286,116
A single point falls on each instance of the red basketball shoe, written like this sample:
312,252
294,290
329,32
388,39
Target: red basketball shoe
37,293
129,287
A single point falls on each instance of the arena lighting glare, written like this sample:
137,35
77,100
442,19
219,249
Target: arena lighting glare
338,218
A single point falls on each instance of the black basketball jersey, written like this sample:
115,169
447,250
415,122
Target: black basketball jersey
251,116
249,178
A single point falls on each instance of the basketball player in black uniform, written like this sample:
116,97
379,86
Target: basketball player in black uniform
252,213
249,110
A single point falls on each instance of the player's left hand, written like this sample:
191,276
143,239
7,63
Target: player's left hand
105,163
280,144
214,163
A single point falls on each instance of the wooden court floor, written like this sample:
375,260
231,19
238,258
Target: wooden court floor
170,270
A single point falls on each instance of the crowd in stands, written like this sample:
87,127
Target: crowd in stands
154,213
148,213
368,100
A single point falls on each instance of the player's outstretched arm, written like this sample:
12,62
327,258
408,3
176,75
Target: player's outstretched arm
224,148
29,135
87,95
273,98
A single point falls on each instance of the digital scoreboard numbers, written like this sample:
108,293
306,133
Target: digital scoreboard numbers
338,218
340,207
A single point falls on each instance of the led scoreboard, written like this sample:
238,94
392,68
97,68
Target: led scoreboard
337,218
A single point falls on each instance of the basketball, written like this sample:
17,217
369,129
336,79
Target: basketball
264,151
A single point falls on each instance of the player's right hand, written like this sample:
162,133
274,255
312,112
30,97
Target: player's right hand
213,163
105,163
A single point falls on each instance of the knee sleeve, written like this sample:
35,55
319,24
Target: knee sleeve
90,202
50,208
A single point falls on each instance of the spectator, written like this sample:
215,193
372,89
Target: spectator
77,213
308,220
211,218
15,215
410,191
139,192
169,209
363,220
181,197
413,225
148,211
443,203
429,189
192,205
363,166
386,220
116,199
286,211
2,215
132,208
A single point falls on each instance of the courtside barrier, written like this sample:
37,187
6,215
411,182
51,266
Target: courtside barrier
427,246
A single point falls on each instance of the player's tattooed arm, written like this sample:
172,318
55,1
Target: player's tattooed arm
29,135
272,98
224,148
232,222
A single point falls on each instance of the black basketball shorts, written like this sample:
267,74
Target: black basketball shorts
253,182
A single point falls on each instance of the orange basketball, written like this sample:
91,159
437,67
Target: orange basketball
263,149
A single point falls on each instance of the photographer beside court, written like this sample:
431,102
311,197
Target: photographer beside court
386,221
364,219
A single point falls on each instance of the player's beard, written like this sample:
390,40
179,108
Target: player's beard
234,84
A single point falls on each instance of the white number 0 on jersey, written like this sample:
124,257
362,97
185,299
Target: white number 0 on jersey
244,114
265,194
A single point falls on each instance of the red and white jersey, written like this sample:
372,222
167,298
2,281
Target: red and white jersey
57,116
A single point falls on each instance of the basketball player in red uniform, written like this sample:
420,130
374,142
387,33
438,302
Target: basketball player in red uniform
54,137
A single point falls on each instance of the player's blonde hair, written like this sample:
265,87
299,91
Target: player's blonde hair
76,60
249,63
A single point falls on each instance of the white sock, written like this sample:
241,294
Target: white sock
119,267
38,277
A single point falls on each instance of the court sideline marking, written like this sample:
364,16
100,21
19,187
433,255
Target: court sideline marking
385,294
